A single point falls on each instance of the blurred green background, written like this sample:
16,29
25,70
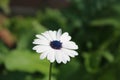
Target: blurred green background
93,24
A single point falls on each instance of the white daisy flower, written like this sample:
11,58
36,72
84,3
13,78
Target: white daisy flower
55,46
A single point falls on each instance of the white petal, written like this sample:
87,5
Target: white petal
58,56
41,37
40,49
43,55
47,35
39,41
67,57
65,37
53,35
59,33
64,60
61,57
51,56
69,45
70,53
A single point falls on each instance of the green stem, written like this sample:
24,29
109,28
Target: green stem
50,71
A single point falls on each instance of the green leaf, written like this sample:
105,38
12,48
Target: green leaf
108,56
27,61
24,41
92,61
3,52
116,7
52,18
38,27
4,4
108,21
1,57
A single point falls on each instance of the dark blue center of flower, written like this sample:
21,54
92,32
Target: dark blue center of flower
56,44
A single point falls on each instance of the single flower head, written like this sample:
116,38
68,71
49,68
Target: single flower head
55,46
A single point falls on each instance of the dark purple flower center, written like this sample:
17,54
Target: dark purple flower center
56,44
